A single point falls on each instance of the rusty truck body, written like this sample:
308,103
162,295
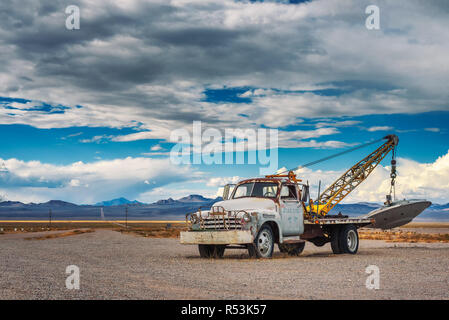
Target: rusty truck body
277,209
262,212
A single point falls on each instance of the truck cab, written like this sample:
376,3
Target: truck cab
271,201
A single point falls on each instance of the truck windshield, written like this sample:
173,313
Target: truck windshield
256,189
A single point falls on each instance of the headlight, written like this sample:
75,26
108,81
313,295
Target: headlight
246,217
194,218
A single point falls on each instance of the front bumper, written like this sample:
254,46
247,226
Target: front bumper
217,237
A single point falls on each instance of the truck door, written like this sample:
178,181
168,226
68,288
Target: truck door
291,211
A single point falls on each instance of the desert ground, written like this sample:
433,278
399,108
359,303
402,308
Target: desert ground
149,263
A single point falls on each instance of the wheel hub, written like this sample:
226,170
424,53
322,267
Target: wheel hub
264,243
352,240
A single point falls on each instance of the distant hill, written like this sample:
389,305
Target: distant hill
355,208
113,209
57,204
436,212
166,209
165,202
194,198
116,202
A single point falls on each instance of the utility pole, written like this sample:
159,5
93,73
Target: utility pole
49,218
126,217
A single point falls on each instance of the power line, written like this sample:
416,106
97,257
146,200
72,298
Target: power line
331,156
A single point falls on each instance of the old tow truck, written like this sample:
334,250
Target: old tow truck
278,209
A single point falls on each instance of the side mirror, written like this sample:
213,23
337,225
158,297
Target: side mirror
227,190
305,195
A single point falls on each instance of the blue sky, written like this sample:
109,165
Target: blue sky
86,115
423,137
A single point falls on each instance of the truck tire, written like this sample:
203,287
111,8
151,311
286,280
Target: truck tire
205,250
335,240
297,249
282,248
211,251
292,249
218,251
263,244
349,239
319,241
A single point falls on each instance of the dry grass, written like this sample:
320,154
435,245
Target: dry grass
171,230
61,234
155,231
426,225
140,228
24,227
403,236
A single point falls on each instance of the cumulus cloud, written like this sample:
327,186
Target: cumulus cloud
433,129
149,179
147,64
156,147
380,128
344,123
96,139
415,181
221,181
88,182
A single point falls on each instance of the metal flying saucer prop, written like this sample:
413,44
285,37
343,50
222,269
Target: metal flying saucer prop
397,213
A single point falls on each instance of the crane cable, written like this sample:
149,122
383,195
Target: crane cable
335,155
393,174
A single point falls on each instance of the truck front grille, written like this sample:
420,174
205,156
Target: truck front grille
221,223
220,219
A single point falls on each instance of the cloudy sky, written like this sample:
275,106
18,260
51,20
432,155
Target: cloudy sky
86,115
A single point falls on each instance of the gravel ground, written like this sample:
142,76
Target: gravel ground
116,266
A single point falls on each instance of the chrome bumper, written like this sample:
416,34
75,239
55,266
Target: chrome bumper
217,237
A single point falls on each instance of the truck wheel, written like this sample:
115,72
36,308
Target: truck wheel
335,240
263,244
319,241
293,249
218,251
349,239
211,251
205,250
282,248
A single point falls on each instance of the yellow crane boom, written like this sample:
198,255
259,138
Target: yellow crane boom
338,190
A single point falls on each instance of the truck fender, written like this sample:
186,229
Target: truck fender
276,228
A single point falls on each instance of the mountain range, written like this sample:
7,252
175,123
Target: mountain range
124,201
167,209
116,202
